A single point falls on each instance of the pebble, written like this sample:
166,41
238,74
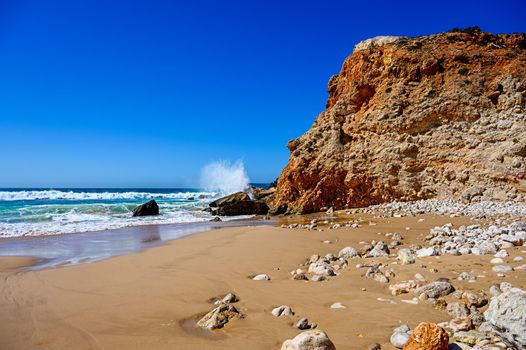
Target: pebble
318,278
261,277
497,261
338,305
303,324
501,254
282,310
502,268
400,336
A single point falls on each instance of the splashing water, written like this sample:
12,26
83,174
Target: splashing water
225,177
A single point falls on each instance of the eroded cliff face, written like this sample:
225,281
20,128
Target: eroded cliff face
441,116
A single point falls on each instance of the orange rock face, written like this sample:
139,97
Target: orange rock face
441,116
428,336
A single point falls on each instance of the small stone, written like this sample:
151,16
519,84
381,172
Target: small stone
494,290
230,298
400,336
501,254
431,251
374,346
420,277
466,276
497,261
439,304
502,268
318,278
403,287
379,249
300,277
460,324
303,324
261,277
474,299
282,310
436,289
338,305
405,256
218,317
471,338
309,340
348,253
457,310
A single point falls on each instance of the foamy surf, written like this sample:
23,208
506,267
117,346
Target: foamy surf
27,212
23,195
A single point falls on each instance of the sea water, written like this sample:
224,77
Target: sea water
37,212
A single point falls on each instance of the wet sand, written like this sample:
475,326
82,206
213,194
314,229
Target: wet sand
150,299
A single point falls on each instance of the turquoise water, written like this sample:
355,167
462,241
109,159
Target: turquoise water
34,212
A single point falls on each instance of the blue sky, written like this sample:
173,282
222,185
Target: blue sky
145,93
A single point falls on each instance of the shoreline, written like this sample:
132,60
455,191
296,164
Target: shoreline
152,298
49,251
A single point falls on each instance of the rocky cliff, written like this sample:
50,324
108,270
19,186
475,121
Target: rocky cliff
440,116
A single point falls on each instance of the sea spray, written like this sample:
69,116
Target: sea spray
225,177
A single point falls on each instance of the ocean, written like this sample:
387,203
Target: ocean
37,212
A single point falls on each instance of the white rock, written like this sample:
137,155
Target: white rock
282,310
506,316
261,277
400,336
502,268
348,253
497,261
501,254
338,305
405,256
431,251
309,340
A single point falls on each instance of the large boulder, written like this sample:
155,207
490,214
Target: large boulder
147,209
309,340
231,198
428,336
506,316
243,207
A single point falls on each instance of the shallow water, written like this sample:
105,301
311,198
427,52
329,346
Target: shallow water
87,247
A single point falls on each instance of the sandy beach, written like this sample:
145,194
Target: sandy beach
152,299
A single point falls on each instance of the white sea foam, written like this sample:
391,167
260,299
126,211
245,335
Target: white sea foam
225,177
74,222
57,215
73,195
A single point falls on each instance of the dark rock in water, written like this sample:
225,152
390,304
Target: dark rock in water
146,209
208,210
243,207
202,196
190,198
234,197
216,219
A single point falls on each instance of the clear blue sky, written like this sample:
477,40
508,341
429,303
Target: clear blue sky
144,93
